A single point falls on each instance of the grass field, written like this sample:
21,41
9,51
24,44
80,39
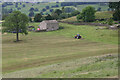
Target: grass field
40,50
98,15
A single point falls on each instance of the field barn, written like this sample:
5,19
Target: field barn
49,25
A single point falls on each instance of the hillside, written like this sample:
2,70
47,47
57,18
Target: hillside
52,5
98,15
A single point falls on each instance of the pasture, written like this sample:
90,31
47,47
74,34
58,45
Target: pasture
98,15
40,50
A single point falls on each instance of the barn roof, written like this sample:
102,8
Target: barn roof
50,21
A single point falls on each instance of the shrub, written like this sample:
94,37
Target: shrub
38,18
79,17
88,14
110,21
63,16
116,15
74,13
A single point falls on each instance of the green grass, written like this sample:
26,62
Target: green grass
42,49
96,6
98,15
104,15
78,68
92,69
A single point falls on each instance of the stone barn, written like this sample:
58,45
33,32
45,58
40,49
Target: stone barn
49,25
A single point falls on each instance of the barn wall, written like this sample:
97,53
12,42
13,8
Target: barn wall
42,26
52,26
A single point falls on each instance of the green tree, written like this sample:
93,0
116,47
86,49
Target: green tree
58,11
31,14
116,15
88,14
48,17
63,16
115,6
74,13
110,21
55,16
17,21
38,17
79,17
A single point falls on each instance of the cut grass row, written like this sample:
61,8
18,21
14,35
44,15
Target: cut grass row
91,67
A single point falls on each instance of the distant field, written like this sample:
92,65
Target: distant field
40,6
98,15
96,6
104,15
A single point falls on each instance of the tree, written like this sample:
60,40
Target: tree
51,10
116,15
63,15
74,13
55,16
43,9
88,14
23,5
31,14
115,6
48,17
58,11
79,17
30,19
99,9
31,9
17,21
47,7
63,9
36,9
38,17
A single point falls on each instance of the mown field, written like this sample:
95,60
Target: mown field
58,54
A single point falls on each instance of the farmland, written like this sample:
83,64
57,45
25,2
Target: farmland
54,53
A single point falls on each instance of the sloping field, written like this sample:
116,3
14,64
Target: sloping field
83,68
98,15
48,48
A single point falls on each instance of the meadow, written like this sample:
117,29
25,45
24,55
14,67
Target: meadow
57,54
98,15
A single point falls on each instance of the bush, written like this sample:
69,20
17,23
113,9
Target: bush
116,15
49,17
31,14
74,13
38,18
63,16
110,21
79,17
31,9
88,14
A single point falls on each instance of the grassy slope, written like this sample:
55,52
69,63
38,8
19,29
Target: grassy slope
43,5
92,67
40,49
98,15
96,6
